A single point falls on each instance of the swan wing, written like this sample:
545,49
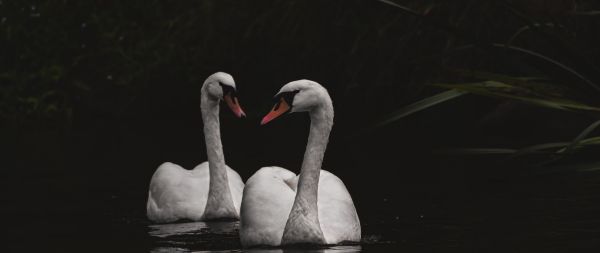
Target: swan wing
337,214
176,193
267,200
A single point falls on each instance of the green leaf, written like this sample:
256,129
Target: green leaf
582,143
421,105
538,86
539,148
551,61
590,141
580,137
477,151
503,90
403,8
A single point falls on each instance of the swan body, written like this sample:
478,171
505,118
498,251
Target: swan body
176,193
314,207
212,190
268,199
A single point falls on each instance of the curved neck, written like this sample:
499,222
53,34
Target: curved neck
303,222
219,203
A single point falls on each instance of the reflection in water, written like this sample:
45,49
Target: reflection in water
218,227
187,237
337,249
221,236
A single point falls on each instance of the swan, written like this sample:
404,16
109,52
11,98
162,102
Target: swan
280,208
212,190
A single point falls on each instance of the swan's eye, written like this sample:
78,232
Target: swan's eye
288,97
227,90
230,98
277,105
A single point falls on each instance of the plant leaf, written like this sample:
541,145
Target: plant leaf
404,8
590,141
580,137
552,61
503,90
421,105
539,148
477,151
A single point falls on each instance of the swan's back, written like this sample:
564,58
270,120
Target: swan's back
337,214
266,204
176,193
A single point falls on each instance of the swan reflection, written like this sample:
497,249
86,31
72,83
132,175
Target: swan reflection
222,236
200,227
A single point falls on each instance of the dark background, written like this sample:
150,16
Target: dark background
96,94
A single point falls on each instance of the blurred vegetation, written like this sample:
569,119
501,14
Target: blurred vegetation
81,78
543,53
61,56
64,62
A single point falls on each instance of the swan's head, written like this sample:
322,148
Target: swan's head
298,96
220,86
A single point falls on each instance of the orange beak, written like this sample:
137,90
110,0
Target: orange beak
279,109
234,105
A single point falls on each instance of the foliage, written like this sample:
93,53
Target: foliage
537,52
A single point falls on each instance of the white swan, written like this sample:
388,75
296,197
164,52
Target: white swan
280,208
212,190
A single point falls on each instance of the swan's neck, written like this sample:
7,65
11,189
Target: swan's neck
303,222
219,203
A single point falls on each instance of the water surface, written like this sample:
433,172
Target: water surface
222,236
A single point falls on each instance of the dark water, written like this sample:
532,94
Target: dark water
223,236
213,236
550,213
406,203
542,220
90,194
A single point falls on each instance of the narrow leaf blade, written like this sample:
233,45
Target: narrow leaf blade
421,105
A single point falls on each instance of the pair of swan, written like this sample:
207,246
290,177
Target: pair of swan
276,207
